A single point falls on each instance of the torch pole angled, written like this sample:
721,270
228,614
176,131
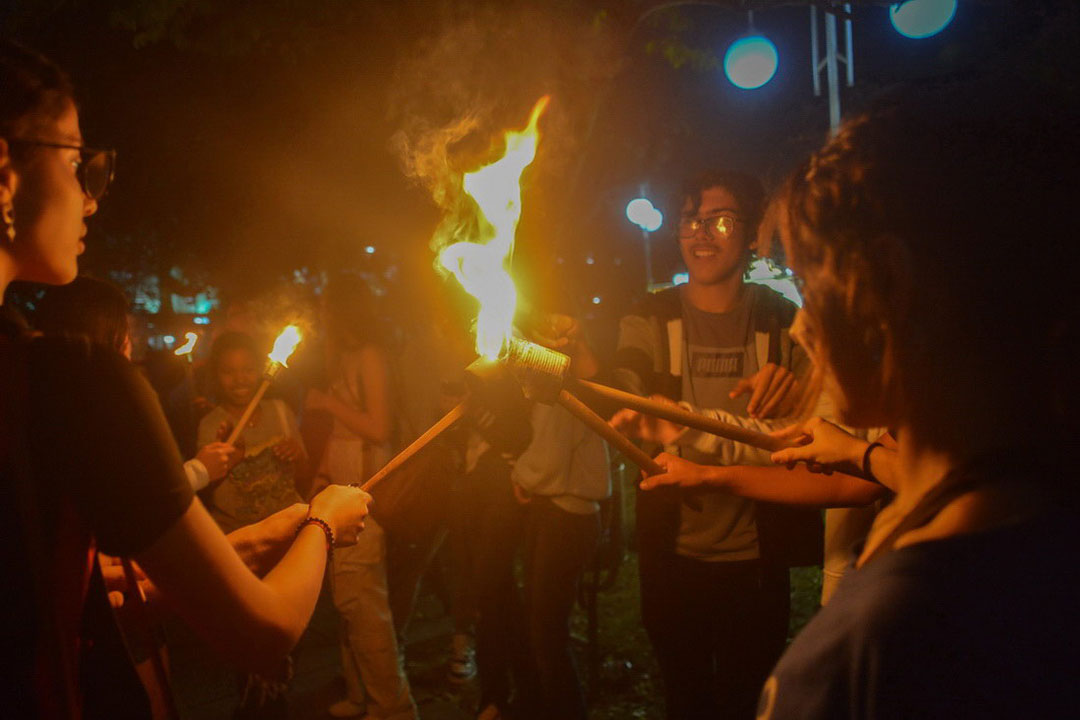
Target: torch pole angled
243,421
399,460
596,423
678,415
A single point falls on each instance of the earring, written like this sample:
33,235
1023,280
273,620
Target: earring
7,222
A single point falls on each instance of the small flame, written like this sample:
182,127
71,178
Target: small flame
285,344
189,346
482,267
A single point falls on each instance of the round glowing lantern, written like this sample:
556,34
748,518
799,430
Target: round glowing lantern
922,18
750,62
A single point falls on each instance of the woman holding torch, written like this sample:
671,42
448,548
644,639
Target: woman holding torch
86,459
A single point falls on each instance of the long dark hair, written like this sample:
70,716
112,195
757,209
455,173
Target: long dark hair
94,309
33,90
350,315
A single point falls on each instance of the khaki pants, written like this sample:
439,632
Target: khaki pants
373,673
843,528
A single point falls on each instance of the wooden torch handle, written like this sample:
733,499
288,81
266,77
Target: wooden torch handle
239,427
596,423
678,415
416,446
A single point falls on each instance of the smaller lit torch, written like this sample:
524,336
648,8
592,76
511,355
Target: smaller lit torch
279,358
187,351
188,347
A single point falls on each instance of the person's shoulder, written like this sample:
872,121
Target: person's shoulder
771,304
77,363
662,304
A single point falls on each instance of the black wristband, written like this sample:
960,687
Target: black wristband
867,474
327,530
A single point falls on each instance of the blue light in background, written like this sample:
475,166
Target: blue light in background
201,320
750,62
922,18
680,278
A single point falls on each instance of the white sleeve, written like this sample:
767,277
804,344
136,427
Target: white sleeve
196,474
729,452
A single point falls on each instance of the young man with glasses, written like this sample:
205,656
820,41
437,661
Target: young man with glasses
714,567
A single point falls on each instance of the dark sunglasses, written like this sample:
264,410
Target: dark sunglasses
95,170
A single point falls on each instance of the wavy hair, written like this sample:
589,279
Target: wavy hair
924,233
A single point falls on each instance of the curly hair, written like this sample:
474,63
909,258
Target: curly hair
923,232
747,190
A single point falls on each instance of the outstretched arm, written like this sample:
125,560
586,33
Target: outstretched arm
798,486
252,622
826,447
728,452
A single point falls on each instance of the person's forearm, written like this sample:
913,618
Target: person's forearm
262,545
792,487
730,452
365,424
297,578
253,622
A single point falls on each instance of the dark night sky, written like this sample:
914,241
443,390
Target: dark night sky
246,165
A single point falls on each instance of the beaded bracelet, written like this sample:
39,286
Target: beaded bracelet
327,530
867,474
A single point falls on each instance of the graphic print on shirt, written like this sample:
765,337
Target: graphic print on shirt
722,364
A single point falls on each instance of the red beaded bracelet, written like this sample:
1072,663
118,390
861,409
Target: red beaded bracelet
327,530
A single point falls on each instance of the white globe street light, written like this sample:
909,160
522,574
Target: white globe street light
751,62
922,18
642,213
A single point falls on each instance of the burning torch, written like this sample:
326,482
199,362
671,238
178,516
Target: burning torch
509,365
279,358
541,374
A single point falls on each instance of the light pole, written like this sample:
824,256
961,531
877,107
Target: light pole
644,214
832,57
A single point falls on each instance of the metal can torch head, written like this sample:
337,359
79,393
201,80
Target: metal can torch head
524,368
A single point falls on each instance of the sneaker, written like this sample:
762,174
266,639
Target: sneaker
345,709
462,664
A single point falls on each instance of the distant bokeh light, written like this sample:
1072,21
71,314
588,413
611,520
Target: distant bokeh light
750,62
922,18
642,213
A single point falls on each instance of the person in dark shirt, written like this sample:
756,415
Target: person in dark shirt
86,459
932,315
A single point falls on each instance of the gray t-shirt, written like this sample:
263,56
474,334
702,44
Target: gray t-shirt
719,350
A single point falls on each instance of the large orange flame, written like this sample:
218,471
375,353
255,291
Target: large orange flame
285,344
483,267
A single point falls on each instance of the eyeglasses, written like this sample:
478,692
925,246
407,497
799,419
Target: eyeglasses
95,170
720,225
